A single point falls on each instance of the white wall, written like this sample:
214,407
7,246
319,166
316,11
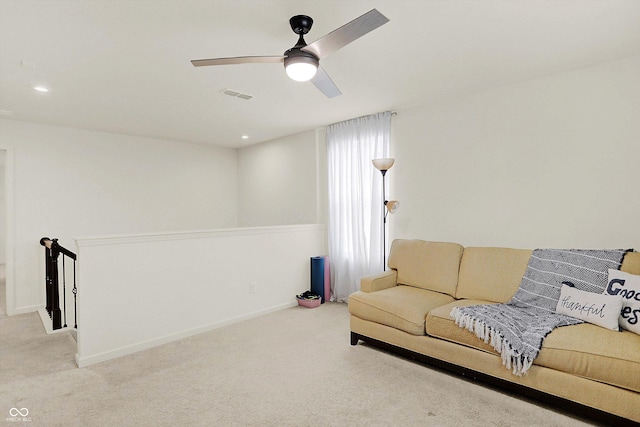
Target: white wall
546,163
3,223
185,283
70,182
282,181
553,162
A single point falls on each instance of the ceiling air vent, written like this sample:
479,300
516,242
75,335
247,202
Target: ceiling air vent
236,94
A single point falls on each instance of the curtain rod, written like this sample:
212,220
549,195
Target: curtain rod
393,113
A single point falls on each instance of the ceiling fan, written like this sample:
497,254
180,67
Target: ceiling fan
302,61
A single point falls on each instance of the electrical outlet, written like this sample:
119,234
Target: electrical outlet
252,287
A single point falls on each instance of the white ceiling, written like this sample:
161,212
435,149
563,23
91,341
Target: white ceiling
123,65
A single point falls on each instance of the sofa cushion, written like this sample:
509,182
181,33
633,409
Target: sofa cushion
584,350
491,274
427,265
595,353
440,325
400,307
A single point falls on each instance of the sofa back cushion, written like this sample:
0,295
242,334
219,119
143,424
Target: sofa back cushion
631,263
491,274
427,265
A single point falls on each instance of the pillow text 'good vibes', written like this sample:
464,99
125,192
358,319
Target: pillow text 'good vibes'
627,286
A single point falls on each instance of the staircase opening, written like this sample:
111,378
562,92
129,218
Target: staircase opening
60,312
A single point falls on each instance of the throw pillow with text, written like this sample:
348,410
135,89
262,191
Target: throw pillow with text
628,287
599,309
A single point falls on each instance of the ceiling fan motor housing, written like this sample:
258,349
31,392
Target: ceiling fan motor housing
295,54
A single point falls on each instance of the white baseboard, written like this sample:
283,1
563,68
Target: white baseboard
123,351
26,309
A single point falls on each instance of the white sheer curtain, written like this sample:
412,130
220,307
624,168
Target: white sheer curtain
355,200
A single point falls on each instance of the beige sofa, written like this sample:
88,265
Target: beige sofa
584,368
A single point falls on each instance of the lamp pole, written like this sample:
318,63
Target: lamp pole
384,223
383,165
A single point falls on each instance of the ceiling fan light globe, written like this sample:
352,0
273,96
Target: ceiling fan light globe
301,66
301,71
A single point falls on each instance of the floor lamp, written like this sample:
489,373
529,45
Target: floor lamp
388,206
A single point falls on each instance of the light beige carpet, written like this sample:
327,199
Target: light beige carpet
294,367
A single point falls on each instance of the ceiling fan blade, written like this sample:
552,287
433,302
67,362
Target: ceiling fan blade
323,82
346,34
237,60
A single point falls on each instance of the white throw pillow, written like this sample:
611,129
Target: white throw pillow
599,309
628,286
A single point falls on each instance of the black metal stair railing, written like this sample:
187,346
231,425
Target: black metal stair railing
52,282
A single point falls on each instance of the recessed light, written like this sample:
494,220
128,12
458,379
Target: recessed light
41,89
245,136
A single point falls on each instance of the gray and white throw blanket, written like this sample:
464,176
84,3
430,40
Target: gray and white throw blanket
516,329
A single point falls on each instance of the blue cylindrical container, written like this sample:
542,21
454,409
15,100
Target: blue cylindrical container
317,276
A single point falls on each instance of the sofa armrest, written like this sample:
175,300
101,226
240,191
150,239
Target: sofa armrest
379,281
